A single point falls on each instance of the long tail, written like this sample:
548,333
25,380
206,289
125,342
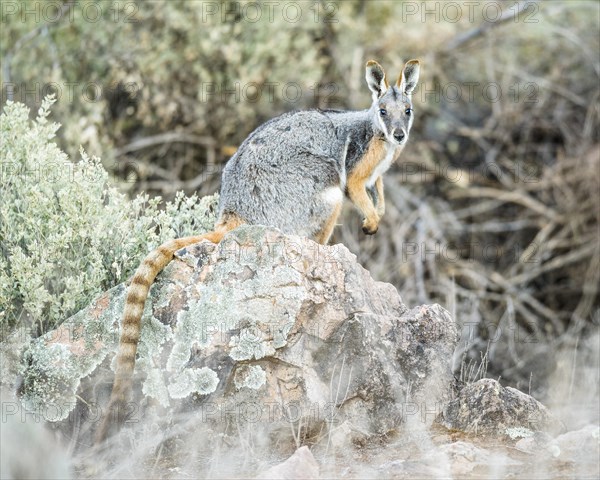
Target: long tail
131,325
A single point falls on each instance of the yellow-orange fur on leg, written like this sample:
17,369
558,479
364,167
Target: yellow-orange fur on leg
325,234
356,184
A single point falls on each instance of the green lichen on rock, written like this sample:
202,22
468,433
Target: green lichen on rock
263,325
54,364
196,326
518,432
97,329
152,338
225,304
250,376
249,345
280,334
51,381
164,294
194,380
155,387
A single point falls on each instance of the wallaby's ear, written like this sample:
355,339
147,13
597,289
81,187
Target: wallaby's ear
376,80
407,81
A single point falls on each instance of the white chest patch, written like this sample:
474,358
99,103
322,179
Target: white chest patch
332,195
384,165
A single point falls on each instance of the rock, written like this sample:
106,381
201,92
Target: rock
578,450
449,460
487,408
300,466
464,457
410,469
581,446
539,444
263,330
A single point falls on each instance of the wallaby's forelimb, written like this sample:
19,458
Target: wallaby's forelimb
356,185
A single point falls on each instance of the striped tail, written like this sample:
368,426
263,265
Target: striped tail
131,325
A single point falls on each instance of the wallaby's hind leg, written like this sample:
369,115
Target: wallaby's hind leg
323,236
226,223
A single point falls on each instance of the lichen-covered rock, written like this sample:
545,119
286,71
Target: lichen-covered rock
54,364
487,408
266,328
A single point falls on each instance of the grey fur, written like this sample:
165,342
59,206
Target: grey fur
280,174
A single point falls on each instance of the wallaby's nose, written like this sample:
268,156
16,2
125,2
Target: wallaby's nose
399,135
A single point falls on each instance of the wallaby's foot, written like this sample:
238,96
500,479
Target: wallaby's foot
370,226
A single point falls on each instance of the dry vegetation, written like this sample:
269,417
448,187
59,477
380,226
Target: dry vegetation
493,210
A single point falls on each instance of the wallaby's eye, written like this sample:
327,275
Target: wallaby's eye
408,111
383,112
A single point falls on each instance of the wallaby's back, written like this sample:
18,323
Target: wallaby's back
288,172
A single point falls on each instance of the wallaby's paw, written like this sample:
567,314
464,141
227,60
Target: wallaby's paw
380,210
370,227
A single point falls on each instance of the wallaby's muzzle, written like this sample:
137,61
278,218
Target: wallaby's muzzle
400,136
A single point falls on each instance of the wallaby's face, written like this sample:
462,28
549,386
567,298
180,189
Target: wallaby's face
392,105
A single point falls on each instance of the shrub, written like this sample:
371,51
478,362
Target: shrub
67,233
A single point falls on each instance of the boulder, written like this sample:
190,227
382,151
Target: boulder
263,330
487,408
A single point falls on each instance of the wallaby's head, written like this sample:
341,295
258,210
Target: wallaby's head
392,105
